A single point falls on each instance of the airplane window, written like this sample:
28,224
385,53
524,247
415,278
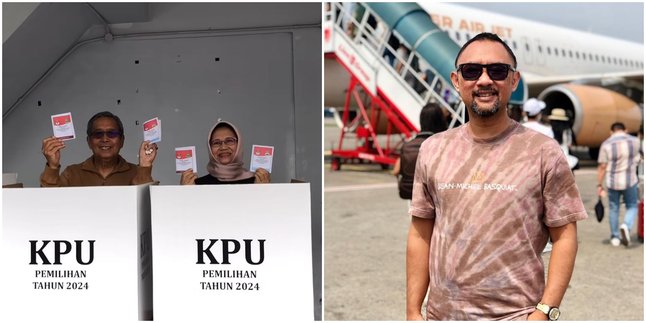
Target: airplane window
540,49
514,43
549,51
577,55
527,47
583,54
570,53
614,59
468,36
603,58
457,35
596,57
563,52
556,51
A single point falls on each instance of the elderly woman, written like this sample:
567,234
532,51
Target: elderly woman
225,160
105,139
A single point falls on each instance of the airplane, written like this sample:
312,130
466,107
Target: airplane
597,79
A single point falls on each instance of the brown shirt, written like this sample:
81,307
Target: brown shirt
492,203
86,174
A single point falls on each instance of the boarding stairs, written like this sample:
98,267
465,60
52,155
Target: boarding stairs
387,87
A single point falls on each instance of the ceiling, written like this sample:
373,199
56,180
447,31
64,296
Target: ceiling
38,35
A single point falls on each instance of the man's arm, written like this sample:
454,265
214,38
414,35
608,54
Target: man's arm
397,167
417,253
559,272
601,174
147,154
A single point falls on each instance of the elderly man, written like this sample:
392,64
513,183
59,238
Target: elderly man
105,167
486,197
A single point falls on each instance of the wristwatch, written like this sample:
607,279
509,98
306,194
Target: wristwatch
553,313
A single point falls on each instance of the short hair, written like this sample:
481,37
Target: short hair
490,37
617,126
104,114
431,118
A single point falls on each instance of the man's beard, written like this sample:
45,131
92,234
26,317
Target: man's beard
484,113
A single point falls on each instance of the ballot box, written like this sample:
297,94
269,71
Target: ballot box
232,253
76,254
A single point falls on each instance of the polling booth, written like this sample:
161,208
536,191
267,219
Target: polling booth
232,252
76,254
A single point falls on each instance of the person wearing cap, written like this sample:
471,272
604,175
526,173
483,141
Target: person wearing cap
533,109
618,160
487,195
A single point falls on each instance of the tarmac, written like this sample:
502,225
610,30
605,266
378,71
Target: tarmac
365,231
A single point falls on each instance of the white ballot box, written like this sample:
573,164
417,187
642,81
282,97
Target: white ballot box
76,254
232,253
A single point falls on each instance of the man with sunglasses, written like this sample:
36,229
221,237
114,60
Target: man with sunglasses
105,138
486,197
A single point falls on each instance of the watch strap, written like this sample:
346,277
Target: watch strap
543,308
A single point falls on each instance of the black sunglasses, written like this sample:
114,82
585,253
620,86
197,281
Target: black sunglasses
496,71
110,133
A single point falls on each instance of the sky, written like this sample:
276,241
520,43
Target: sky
621,20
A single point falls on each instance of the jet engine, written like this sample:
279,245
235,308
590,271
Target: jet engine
592,110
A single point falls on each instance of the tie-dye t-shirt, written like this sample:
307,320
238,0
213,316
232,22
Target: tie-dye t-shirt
491,202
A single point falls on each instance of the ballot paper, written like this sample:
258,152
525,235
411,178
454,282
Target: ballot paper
63,126
261,157
185,159
152,130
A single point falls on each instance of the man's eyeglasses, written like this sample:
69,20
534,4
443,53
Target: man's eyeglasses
229,141
496,71
110,133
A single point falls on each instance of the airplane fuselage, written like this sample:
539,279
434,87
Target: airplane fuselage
541,49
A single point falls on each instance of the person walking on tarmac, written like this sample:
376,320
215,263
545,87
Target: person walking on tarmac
486,197
431,121
617,169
